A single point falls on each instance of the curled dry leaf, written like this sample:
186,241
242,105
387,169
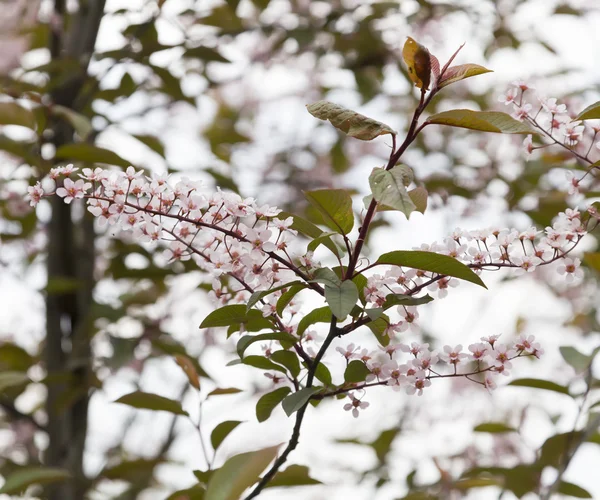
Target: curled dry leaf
352,123
418,63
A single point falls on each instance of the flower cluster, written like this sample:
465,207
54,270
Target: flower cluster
493,248
227,235
482,364
555,126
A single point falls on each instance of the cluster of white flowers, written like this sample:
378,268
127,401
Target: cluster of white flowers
491,248
482,364
555,124
226,234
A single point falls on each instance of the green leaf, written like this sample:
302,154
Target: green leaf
284,338
205,54
196,492
224,391
267,403
419,196
418,62
383,444
153,142
12,379
234,314
287,297
356,371
257,296
327,276
288,359
259,362
238,473
494,428
24,477
573,490
536,383
461,72
389,188
335,205
132,470
349,122
308,229
378,327
592,112
294,475
399,299
592,259
484,121
579,362
341,299
80,123
90,154
148,401
323,374
13,114
297,400
556,448
319,315
432,262
221,431
476,482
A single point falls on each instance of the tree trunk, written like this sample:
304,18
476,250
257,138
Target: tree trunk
67,354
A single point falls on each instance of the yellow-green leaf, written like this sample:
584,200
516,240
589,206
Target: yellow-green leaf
189,369
484,121
461,72
80,123
238,473
432,262
418,63
22,478
352,123
419,198
592,112
148,401
90,154
13,114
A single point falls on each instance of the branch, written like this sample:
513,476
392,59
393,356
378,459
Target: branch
293,442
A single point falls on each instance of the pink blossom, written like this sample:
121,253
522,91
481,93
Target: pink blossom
570,268
35,194
72,190
355,404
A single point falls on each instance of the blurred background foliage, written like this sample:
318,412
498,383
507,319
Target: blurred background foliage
216,90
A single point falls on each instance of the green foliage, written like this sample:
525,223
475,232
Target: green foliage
462,71
267,403
536,383
494,428
148,401
483,121
350,122
17,482
356,372
10,379
238,473
592,112
335,206
87,153
432,262
246,341
294,475
12,113
389,188
221,431
297,400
